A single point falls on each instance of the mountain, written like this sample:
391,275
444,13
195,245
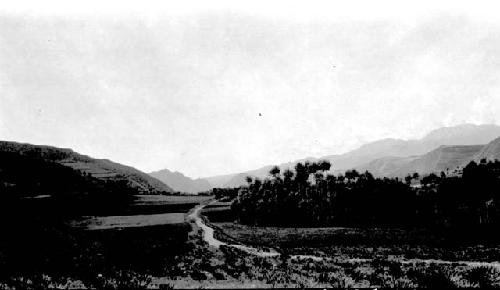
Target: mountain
219,180
56,164
178,182
466,134
385,152
443,158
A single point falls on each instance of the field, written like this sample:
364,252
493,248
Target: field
41,248
118,222
169,199
49,253
357,257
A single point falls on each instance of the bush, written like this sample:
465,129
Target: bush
483,277
431,276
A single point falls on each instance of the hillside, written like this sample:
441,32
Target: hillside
490,152
387,154
51,161
465,134
179,182
441,159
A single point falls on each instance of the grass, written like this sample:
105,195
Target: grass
354,257
354,243
39,249
83,255
169,199
218,213
173,255
119,222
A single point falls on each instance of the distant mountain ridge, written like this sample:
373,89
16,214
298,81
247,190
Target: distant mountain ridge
466,134
389,155
444,158
103,170
179,182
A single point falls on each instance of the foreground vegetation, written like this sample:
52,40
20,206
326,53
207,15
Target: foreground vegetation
39,246
348,258
176,256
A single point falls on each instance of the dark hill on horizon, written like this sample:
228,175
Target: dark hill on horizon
33,170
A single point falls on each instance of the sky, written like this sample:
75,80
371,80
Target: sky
215,87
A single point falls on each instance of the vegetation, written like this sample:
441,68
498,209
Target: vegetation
309,196
40,248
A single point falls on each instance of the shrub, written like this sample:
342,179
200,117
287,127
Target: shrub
432,276
484,277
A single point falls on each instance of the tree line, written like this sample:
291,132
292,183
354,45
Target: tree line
311,196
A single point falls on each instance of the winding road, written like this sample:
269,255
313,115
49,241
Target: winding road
208,236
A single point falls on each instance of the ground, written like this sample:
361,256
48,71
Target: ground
363,257
175,255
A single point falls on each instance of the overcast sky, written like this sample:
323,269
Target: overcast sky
223,88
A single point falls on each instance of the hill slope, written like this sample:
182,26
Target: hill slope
179,182
101,172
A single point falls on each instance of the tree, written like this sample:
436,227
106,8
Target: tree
324,165
469,200
408,179
288,174
275,171
351,174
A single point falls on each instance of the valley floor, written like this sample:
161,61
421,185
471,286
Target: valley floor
341,257
179,256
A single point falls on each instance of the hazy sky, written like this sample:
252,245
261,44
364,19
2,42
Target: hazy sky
212,88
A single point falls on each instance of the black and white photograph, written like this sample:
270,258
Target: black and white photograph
249,144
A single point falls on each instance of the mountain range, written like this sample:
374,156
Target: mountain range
446,147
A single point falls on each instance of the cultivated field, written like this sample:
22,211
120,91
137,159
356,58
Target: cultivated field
44,249
169,199
118,222
357,257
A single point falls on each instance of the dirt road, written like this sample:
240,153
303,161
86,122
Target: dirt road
208,236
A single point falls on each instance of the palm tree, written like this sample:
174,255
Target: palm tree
275,172
351,174
324,165
408,179
288,175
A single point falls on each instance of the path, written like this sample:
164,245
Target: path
208,236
